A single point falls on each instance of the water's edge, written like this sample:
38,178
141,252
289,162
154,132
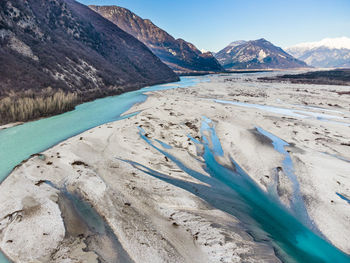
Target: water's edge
19,143
294,242
236,193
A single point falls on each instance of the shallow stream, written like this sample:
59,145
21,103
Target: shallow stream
234,191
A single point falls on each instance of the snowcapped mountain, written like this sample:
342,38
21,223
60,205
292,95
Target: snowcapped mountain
331,43
256,54
237,43
329,52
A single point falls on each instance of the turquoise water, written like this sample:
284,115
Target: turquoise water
297,204
3,259
20,142
233,191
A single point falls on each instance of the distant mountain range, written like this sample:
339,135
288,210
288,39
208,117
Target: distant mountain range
178,54
64,45
256,54
329,52
64,50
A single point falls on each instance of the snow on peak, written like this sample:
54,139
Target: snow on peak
237,43
331,43
204,51
262,55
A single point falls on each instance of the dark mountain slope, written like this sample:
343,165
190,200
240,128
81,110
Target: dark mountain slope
180,55
256,54
66,46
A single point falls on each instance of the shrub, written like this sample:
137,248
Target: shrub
30,105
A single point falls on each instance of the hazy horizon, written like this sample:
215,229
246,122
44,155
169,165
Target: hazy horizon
213,25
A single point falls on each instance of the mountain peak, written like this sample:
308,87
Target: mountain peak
261,40
178,54
256,54
237,43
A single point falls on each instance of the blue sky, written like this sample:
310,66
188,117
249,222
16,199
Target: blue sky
212,24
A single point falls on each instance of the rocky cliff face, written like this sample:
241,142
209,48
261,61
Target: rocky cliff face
178,54
66,46
256,54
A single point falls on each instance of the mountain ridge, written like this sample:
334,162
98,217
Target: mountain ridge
62,45
327,53
178,54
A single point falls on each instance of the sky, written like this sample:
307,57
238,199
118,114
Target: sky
213,24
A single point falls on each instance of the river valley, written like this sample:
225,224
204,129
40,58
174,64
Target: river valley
218,168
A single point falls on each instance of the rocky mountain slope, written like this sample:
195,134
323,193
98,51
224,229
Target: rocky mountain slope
329,52
61,45
178,54
256,54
